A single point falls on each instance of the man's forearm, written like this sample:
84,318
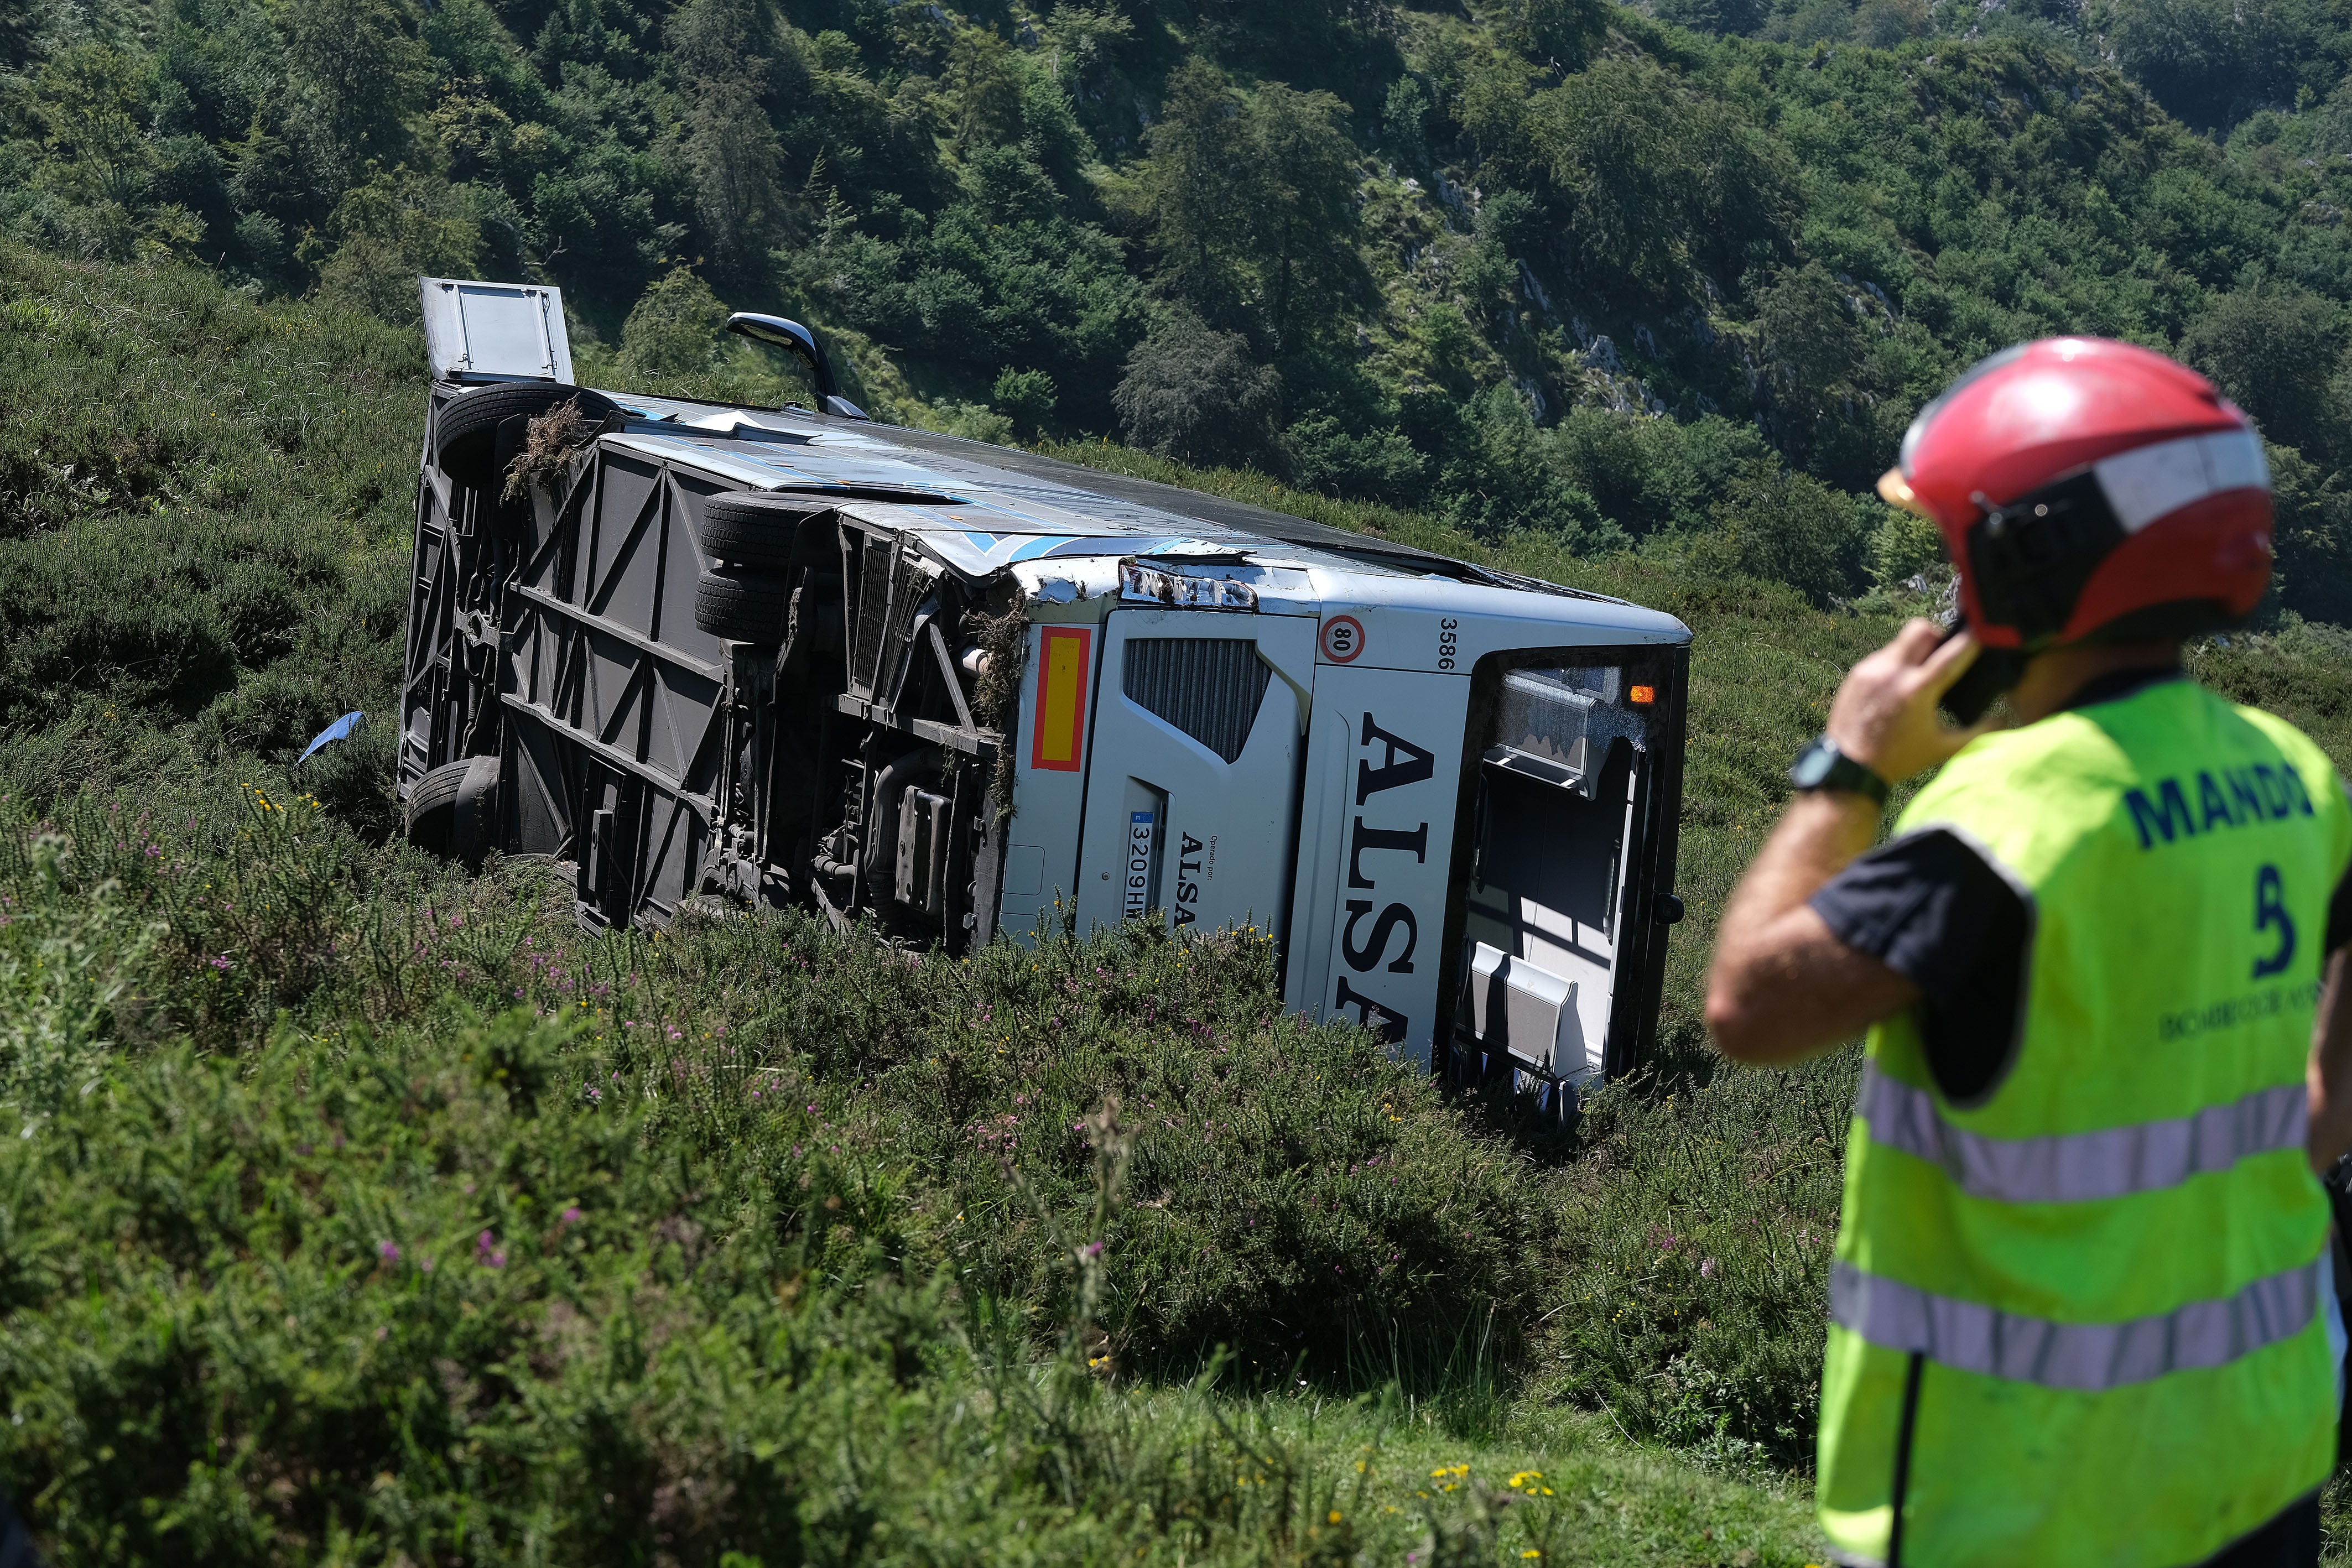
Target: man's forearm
2329,1075
1818,838
1783,985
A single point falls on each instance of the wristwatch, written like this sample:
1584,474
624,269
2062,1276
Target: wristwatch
1821,766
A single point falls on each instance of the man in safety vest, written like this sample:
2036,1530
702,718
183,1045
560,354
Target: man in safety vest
2081,1310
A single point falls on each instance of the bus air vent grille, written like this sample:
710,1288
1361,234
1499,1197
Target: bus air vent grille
1209,687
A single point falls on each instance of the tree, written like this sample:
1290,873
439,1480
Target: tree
1301,213
2275,352
89,105
1380,465
1648,177
1193,392
1253,204
1812,22
1812,346
1008,186
1713,15
2333,127
1192,185
1504,473
985,76
1558,33
475,134
732,146
1884,24
1786,527
1085,40
1025,397
394,226
1405,118
353,76
1507,228
2315,539
19,26
121,189
2211,62
1650,476
1905,547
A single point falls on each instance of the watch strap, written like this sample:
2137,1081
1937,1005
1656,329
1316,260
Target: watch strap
1821,766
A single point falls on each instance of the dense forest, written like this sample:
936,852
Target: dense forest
1671,279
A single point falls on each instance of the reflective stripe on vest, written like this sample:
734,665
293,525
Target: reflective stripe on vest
2082,1168
2087,1358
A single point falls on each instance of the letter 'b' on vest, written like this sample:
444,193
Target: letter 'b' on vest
2078,1318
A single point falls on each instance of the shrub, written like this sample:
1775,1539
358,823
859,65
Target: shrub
1905,547
1379,463
361,1209
673,331
1025,397
1696,1295
207,966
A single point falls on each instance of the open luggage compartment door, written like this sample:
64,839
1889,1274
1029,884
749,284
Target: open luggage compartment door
1574,788
477,331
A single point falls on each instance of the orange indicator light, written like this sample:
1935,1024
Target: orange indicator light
1642,697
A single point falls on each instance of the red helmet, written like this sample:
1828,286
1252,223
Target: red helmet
2084,487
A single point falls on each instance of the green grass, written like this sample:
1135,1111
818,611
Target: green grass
1078,1254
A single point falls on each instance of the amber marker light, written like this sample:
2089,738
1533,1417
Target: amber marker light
1642,697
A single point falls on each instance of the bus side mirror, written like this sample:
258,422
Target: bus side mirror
788,334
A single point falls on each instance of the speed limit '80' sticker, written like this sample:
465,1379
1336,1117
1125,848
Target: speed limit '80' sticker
1343,639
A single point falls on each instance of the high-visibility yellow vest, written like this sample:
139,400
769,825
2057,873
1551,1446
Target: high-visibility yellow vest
2078,1319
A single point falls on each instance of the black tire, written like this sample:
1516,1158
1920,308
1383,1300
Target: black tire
465,435
453,810
746,527
743,606
433,806
473,830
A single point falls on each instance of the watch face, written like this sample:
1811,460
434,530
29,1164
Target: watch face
1813,767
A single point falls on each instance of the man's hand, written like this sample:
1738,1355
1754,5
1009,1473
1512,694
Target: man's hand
1782,985
1885,716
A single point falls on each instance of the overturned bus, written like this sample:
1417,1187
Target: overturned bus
695,653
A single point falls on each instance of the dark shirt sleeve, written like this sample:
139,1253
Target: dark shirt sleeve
1930,908
1927,905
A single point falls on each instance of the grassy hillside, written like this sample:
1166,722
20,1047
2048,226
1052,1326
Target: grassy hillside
364,1209
361,1208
